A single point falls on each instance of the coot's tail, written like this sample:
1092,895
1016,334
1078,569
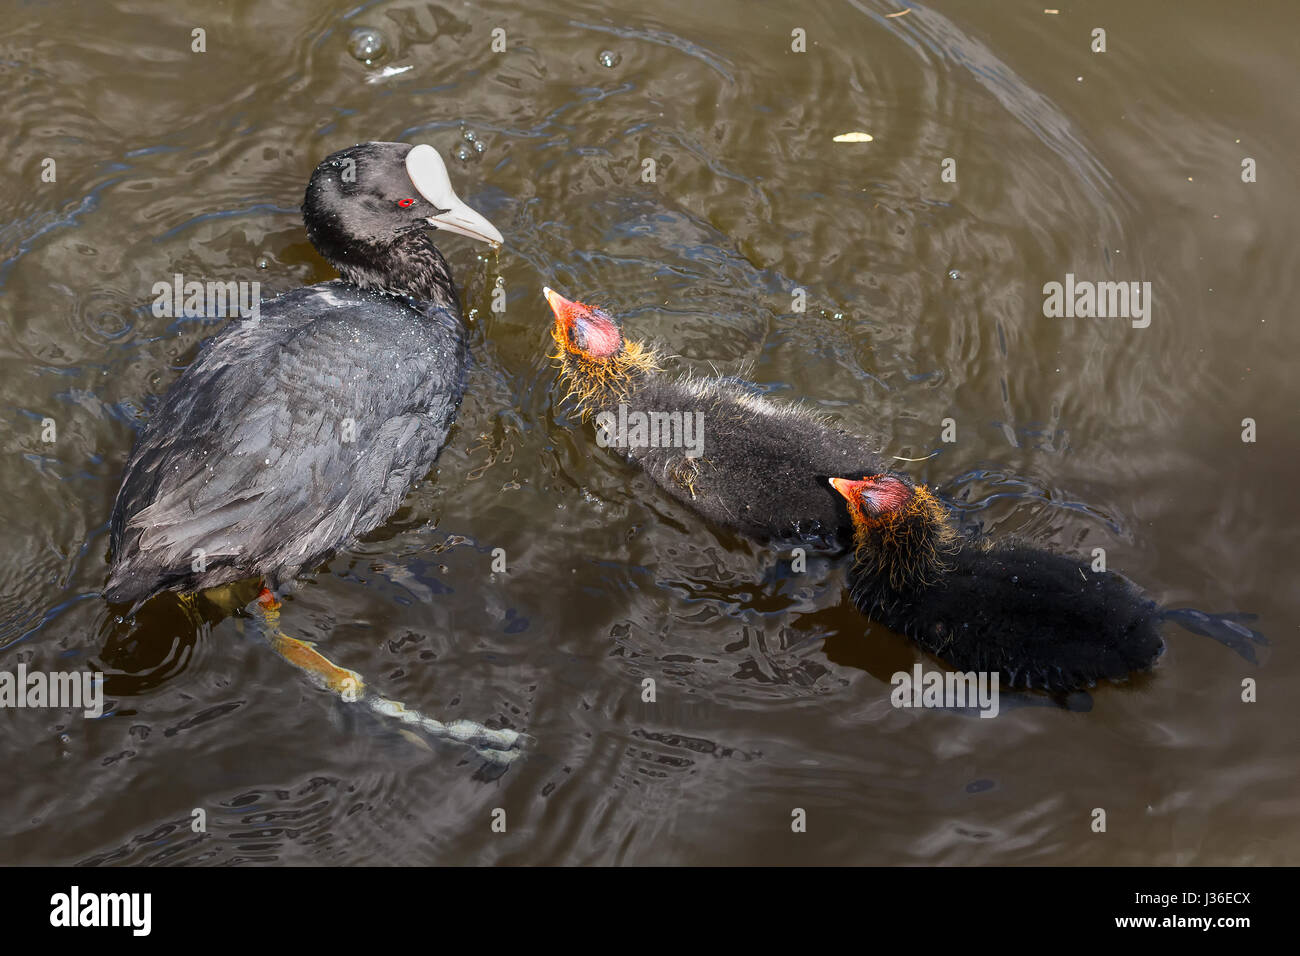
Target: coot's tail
1227,629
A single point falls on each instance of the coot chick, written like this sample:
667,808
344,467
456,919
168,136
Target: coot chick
752,465
295,432
1037,618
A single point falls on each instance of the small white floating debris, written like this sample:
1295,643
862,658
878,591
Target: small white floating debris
386,72
900,13
1052,13
856,137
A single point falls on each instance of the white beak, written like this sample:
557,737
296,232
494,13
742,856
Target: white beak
429,177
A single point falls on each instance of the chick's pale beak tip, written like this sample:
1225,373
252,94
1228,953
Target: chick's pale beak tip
557,302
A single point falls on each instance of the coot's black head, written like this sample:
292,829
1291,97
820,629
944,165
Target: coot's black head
369,210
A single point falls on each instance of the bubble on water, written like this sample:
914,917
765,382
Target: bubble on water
954,274
479,147
464,153
367,44
610,59
468,135
263,262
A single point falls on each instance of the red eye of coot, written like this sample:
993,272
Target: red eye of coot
405,202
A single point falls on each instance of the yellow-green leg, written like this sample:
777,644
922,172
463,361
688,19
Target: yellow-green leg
496,746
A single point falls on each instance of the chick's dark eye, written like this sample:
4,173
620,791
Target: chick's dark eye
404,203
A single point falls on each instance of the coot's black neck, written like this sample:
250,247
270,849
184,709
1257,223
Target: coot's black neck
410,266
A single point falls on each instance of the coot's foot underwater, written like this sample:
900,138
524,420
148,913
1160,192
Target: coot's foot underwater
296,432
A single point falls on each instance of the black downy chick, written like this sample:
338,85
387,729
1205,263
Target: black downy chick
757,467
1037,618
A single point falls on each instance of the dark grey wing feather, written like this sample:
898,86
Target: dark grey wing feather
247,458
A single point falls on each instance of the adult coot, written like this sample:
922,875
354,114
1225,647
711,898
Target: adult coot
298,430
741,461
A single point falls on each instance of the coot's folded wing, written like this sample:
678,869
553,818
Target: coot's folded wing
288,436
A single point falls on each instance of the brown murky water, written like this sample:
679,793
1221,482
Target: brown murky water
924,303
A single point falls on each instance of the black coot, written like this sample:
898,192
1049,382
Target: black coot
296,431
756,466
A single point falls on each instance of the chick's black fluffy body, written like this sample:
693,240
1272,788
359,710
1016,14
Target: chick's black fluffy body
1037,618
762,466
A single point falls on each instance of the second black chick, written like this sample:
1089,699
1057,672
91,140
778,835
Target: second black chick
1037,618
